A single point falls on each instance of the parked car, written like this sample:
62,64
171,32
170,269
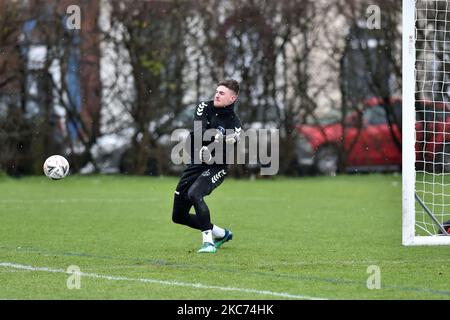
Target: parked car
432,136
368,140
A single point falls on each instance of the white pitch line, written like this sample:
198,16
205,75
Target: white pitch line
164,282
123,200
78,200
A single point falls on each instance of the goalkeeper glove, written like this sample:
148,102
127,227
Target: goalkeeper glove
229,139
232,138
220,133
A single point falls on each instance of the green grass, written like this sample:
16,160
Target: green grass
434,191
312,237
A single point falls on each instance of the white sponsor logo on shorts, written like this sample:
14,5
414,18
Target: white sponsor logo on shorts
206,173
218,175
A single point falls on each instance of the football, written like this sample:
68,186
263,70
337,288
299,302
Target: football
56,167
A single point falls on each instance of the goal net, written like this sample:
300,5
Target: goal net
426,122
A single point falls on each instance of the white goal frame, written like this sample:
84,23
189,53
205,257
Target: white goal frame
409,237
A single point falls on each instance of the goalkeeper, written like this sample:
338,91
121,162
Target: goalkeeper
205,173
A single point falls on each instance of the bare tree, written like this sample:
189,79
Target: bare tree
152,35
45,74
371,64
16,130
268,46
432,45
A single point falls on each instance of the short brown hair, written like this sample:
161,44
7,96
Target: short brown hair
230,84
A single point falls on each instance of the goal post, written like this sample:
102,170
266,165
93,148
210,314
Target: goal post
408,120
426,122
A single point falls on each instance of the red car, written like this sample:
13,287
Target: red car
369,143
432,136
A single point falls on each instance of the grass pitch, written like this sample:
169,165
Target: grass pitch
293,239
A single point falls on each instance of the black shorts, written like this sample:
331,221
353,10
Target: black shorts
208,177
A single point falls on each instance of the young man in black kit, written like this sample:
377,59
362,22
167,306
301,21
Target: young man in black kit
206,171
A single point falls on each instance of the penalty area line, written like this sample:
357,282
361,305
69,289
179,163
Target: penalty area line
162,282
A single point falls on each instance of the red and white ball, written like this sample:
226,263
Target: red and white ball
56,167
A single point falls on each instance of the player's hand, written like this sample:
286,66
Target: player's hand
205,154
219,134
229,139
232,138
